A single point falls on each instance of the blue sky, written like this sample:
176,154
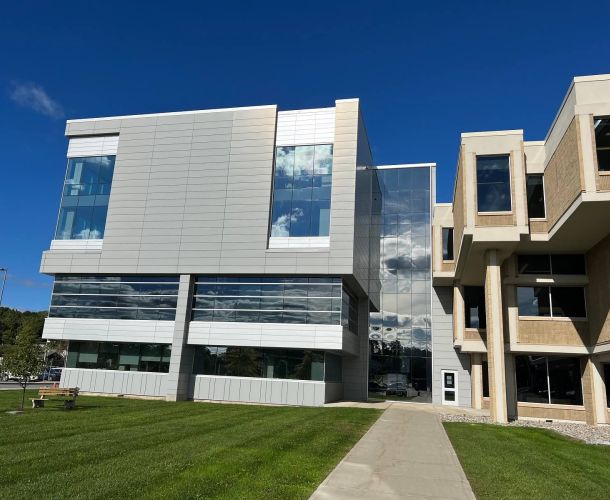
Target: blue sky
424,71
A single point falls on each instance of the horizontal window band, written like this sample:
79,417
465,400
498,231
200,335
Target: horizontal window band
114,295
118,308
271,310
244,296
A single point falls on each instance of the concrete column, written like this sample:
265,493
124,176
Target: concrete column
356,368
495,338
181,362
476,380
594,397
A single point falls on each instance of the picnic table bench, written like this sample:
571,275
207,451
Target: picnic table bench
67,395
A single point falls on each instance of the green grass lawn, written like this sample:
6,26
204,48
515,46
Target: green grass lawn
518,462
121,448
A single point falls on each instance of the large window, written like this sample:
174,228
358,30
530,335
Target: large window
447,243
555,302
84,203
296,364
602,143
535,197
119,356
301,191
268,299
115,297
400,334
493,184
474,307
548,379
551,264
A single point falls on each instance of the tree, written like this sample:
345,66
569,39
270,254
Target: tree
25,358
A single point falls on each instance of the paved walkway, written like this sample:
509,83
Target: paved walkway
405,454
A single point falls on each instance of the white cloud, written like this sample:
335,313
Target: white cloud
34,97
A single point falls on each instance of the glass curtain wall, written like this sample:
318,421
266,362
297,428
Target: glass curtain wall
400,365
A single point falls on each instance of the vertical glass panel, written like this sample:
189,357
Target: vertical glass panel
108,356
129,357
87,357
281,218
493,184
565,381
302,191
447,243
320,218
474,307
323,159
535,197
87,185
602,143
532,384
284,162
303,160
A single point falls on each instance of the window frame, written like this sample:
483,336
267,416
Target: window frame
272,196
510,183
451,231
551,272
548,381
597,169
63,194
543,197
551,317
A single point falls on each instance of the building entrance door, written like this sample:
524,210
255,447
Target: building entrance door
449,389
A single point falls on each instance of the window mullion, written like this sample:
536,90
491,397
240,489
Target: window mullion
550,301
548,379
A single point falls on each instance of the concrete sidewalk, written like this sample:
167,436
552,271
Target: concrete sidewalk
406,454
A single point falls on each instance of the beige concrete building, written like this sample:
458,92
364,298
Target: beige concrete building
525,249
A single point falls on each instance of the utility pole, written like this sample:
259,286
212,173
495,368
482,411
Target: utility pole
5,271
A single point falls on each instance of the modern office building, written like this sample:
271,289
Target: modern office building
225,255
257,255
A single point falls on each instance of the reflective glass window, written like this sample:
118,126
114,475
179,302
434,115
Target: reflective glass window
84,205
493,184
302,191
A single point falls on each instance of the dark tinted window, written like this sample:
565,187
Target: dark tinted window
119,356
534,264
552,380
564,378
493,184
568,264
264,363
485,369
447,243
568,301
532,386
474,306
602,143
535,197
